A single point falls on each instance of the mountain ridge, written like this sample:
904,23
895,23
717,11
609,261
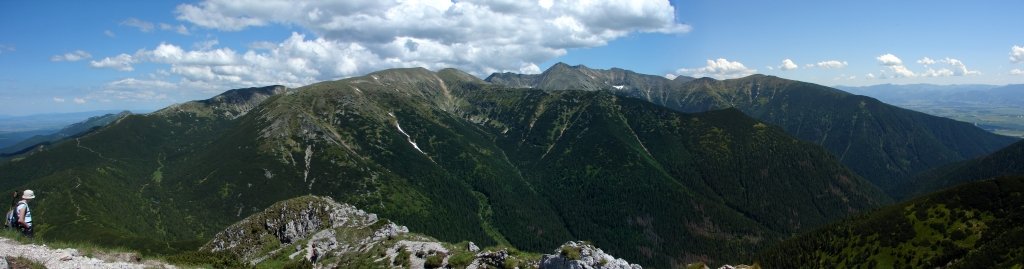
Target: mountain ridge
889,144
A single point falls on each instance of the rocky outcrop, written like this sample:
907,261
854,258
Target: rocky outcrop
292,221
579,255
319,232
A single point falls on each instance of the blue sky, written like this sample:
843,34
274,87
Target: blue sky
69,56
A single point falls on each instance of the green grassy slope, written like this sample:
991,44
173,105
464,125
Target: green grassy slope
975,225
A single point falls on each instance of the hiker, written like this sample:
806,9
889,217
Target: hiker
25,214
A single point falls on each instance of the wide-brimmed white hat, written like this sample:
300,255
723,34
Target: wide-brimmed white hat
28,195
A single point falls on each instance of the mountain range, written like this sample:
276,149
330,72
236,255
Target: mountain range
453,157
883,143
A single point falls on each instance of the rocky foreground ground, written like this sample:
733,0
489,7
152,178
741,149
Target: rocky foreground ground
56,258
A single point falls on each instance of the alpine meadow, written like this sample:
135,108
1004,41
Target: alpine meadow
543,134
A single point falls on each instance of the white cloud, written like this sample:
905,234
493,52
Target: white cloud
926,61
671,76
831,64
944,72
142,25
71,56
1016,72
122,62
787,65
58,100
79,100
720,68
901,71
870,76
180,29
1017,54
109,33
480,37
958,69
889,60
895,65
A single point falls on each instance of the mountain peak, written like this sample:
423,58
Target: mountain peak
564,67
232,103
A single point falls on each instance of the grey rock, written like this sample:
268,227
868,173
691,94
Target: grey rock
590,258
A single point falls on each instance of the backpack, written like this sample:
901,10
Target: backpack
12,218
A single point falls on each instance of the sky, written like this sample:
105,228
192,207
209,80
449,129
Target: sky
69,56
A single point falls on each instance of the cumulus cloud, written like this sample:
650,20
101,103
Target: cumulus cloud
73,56
477,36
58,100
1017,54
787,65
830,64
1016,71
142,25
959,69
895,65
719,68
889,60
79,100
956,68
122,62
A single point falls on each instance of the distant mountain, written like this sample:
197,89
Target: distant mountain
1008,161
453,157
975,225
67,132
949,95
50,121
998,109
14,129
10,138
885,144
